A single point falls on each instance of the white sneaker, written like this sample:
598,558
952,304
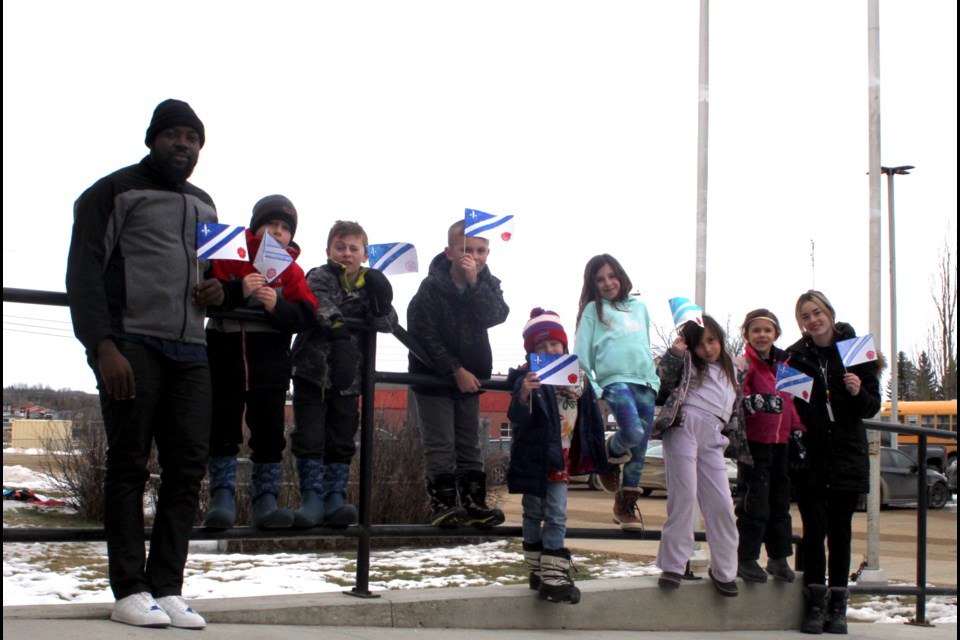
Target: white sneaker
181,614
140,610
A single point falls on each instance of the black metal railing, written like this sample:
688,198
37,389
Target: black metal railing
364,532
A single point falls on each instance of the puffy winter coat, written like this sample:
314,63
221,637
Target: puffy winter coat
770,415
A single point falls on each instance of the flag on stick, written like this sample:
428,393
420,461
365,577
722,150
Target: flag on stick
857,350
272,259
684,311
393,257
559,369
217,241
793,382
478,223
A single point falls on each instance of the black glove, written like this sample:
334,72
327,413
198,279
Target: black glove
798,450
344,359
380,291
763,403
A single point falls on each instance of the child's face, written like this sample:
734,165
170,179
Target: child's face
607,283
279,230
348,250
816,322
552,347
709,348
761,334
479,248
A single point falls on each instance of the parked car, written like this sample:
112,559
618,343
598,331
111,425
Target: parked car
898,481
951,474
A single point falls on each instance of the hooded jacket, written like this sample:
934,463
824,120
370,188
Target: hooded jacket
770,415
133,261
836,450
452,326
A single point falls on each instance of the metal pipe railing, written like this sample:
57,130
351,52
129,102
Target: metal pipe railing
365,532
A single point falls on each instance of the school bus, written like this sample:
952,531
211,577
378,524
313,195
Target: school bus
933,414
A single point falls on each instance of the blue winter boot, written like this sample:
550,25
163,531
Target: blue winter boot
265,481
223,486
337,513
310,513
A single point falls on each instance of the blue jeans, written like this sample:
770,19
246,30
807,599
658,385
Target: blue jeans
633,405
550,512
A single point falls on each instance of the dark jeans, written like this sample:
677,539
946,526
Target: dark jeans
327,423
172,408
763,502
827,515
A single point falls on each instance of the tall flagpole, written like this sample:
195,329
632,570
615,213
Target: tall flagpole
703,114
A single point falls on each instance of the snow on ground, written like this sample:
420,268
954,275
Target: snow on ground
46,573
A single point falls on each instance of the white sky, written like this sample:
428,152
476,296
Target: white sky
578,118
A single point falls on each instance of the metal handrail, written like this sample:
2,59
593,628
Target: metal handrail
364,532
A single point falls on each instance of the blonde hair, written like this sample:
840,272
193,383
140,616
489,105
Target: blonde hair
818,299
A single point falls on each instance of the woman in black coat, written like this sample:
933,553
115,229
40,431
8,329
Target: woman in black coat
835,470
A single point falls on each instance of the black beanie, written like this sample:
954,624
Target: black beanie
275,207
173,113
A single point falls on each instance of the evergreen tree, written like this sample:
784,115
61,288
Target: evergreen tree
906,379
926,379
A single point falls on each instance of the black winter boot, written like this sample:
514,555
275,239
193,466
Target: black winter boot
310,513
222,511
338,513
445,509
780,569
814,615
836,620
472,489
531,555
265,481
556,584
750,571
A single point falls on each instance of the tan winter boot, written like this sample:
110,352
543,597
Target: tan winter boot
625,510
610,481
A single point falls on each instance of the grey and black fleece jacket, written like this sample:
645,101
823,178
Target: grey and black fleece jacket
133,257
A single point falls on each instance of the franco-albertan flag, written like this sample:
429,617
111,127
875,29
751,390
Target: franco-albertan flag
684,311
559,369
487,225
271,258
857,350
217,241
393,257
793,382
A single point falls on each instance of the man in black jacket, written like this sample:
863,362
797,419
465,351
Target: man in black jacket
137,304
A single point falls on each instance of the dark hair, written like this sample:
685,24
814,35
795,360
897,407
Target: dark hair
347,228
590,293
692,334
760,314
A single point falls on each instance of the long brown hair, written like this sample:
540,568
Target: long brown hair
692,335
590,293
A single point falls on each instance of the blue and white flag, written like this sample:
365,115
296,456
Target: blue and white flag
487,225
217,241
685,311
857,350
393,257
559,369
793,382
272,259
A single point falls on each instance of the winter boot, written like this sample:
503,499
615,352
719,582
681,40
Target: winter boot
836,619
265,481
310,513
610,481
780,569
531,555
445,509
625,511
750,571
814,615
223,486
336,512
472,489
556,584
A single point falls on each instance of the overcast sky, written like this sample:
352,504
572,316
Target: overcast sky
578,118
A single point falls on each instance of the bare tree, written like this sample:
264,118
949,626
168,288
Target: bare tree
942,335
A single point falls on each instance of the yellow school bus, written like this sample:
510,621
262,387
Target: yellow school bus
933,414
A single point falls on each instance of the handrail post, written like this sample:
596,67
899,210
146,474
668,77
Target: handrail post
922,492
362,587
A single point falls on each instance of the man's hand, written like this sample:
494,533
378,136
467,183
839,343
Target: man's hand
466,381
115,371
209,292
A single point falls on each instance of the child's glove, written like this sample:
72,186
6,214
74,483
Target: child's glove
380,290
798,450
344,359
763,403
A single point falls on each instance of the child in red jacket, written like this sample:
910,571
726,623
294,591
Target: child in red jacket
250,369
763,490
